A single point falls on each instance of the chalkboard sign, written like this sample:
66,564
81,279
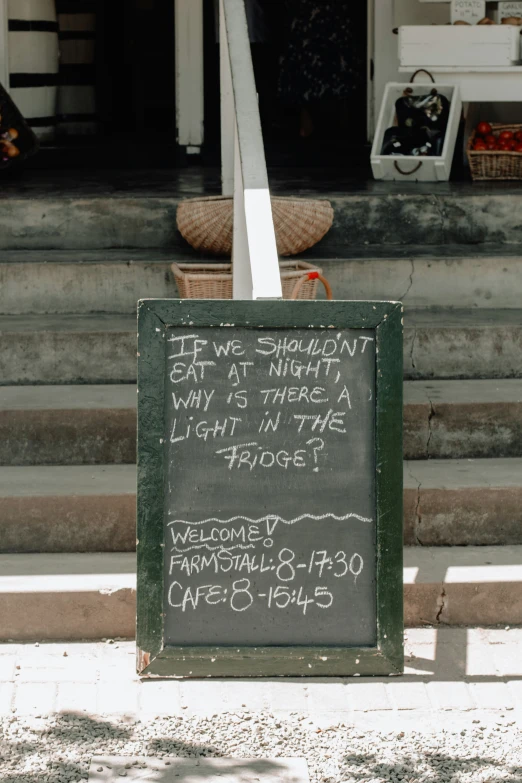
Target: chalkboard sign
269,488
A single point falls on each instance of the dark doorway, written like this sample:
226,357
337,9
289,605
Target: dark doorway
310,68
131,75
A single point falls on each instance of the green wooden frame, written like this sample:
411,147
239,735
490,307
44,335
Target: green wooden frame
155,316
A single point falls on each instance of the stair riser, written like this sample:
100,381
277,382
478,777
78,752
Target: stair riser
110,356
446,352
462,430
68,437
29,288
82,287
68,357
463,517
108,436
150,222
101,523
69,523
73,615
423,282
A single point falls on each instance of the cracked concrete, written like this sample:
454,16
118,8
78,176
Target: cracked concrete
430,430
442,603
410,283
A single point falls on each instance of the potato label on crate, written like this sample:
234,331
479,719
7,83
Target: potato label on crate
471,11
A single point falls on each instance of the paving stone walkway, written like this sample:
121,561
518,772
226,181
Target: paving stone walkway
451,674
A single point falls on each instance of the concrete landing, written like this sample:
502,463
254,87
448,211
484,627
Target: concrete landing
438,343
75,596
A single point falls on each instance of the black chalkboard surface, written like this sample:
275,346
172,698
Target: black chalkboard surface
269,488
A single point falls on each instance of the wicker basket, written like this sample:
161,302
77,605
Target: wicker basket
492,164
207,223
214,281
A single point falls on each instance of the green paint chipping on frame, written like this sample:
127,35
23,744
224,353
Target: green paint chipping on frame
153,658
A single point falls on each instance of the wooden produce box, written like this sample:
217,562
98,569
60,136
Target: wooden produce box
431,168
426,46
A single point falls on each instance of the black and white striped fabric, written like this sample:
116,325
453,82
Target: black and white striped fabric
77,94
33,63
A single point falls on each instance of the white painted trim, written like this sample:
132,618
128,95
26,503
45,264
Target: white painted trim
370,53
228,120
481,84
189,71
4,44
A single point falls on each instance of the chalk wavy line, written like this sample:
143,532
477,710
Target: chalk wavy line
212,548
274,518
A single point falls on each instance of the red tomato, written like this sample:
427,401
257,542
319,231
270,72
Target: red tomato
518,136
518,147
480,144
505,136
492,145
483,128
490,139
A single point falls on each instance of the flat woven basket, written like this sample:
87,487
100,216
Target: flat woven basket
207,223
493,164
214,281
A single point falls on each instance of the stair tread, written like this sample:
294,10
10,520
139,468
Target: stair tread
496,472
422,565
462,392
100,322
122,396
67,480
316,255
67,572
437,317
74,397
49,481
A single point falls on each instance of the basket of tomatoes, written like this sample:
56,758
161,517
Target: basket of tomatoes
495,151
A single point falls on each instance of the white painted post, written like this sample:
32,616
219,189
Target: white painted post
4,39
255,264
242,287
189,73
228,112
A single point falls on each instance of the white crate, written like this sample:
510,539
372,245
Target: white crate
422,46
432,168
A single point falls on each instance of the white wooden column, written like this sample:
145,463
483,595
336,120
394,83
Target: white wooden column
4,51
189,73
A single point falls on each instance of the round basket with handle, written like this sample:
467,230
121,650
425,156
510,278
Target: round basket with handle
299,280
299,223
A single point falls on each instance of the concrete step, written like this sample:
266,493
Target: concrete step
92,596
455,419
85,424
92,508
68,509
68,425
88,213
463,502
438,343
79,281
